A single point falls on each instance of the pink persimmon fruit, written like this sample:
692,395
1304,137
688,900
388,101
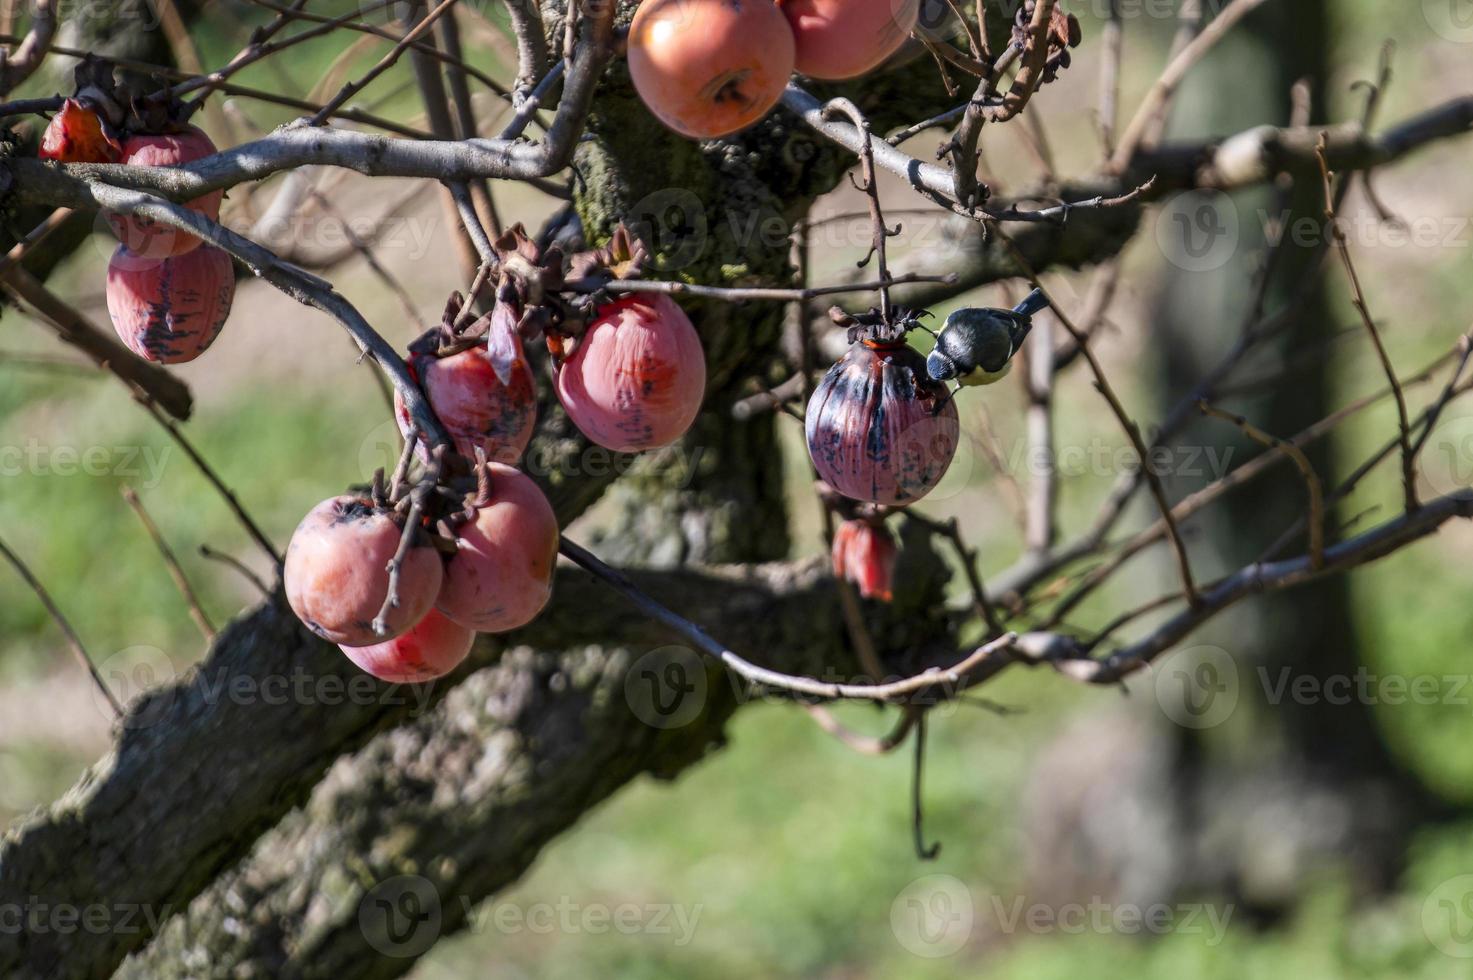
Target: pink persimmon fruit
170,310
486,397
336,572
636,379
500,577
838,39
879,429
708,68
431,648
147,237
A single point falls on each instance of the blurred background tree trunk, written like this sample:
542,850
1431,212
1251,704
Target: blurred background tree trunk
1250,791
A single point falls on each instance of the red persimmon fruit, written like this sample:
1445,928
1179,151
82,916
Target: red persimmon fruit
486,396
838,39
170,310
336,572
864,553
76,135
707,68
501,575
636,379
431,648
149,238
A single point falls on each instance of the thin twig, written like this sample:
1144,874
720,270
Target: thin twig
1306,469
209,473
1154,105
235,563
73,641
181,582
923,851
864,744
1132,431
1342,248
948,677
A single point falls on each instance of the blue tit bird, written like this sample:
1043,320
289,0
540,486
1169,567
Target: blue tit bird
976,346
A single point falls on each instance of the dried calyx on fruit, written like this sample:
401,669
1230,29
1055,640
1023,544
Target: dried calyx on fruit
1062,34
636,374
477,379
879,428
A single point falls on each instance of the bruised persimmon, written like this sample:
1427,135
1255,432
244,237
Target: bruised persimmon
637,377
837,39
707,68
336,572
879,428
169,310
431,648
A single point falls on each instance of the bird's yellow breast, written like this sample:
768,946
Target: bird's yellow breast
981,377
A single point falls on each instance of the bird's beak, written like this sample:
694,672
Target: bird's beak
939,366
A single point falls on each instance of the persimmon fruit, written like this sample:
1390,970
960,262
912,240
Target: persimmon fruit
636,379
336,572
431,648
838,39
169,310
150,238
708,68
501,574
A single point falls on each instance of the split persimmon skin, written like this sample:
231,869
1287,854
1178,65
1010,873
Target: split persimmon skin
638,376
708,68
431,648
839,39
76,135
336,573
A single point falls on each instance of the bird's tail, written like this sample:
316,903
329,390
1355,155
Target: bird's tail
1031,304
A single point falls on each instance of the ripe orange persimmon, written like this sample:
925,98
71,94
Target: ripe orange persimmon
708,68
843,38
